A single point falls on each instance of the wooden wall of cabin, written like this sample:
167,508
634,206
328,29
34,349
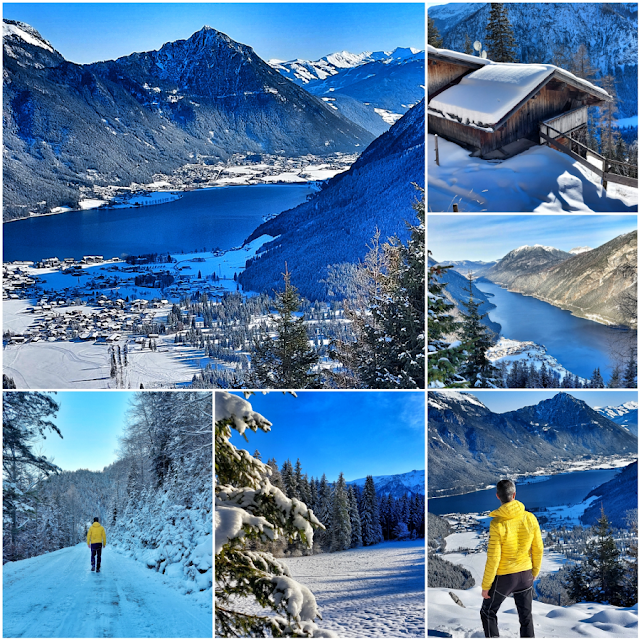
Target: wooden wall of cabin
440,74
524,122
458,133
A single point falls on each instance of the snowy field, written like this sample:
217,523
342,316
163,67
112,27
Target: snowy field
377,592
585,620
540,179
57,596
590,620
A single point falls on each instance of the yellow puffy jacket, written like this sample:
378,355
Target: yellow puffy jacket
515,543
97,533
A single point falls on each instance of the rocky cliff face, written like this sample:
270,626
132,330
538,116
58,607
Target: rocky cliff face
68,125
470,446
600,284
608,30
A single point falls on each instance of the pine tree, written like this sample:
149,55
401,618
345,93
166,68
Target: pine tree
599,577
444,357
286,362
324,510
630,373
370,515
476,340
615,379
249,508
433,35
289,480
340,520
468,47
501,45
631,574
596,379
354,517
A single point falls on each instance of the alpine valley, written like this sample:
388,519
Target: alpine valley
152,204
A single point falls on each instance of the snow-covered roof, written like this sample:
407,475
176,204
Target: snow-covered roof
486,96
454,56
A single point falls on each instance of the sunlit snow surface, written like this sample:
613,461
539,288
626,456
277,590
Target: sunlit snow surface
539,179
374,592
57,596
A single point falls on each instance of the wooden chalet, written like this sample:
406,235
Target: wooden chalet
497,109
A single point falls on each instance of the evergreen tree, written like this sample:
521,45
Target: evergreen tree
599,577
631,575
476,340
354,517
444,357
324,510
287,361
289,480
26,417
370,515
433,35
615,381
468,47
630,373
249,508
500,43
340,521
596,379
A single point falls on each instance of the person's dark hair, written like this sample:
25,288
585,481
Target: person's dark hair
96,519
506,490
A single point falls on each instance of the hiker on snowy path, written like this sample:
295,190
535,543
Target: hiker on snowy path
514,556
96,540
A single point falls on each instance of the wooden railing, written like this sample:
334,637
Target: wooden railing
605,166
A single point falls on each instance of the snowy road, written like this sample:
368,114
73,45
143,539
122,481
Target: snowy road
375,592
57,596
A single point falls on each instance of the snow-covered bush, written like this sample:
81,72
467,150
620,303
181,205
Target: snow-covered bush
248,507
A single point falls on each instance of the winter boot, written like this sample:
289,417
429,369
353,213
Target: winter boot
98,570
92,569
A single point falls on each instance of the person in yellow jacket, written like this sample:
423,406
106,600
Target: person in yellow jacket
514,556
96,540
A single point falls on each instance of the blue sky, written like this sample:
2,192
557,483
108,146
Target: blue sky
502,401
491,237
357,432
88,32
90,422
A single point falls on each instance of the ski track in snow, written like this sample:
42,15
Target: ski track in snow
375,592
57,596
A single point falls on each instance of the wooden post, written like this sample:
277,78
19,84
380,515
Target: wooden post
437,154
455,207
604,173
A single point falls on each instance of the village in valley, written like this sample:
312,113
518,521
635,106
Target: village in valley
146,320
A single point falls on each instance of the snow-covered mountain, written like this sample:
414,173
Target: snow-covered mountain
397,485
476,267
524,260
608,30
469,445
371,89
576,250
68,125
599,284
626,415
318,237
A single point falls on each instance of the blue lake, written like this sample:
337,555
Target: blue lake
579,345
204,219
564,488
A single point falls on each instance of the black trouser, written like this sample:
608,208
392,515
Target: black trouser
96,550
520,585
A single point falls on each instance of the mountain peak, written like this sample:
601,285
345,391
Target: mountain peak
26,33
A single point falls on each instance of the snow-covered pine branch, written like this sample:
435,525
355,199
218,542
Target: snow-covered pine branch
249,507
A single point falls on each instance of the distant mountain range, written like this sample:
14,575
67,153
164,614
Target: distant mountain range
373,89
592,284
626,415
608,30
470,446
464,267
411,483
598,284
457,291
202,99
320,239
525,260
